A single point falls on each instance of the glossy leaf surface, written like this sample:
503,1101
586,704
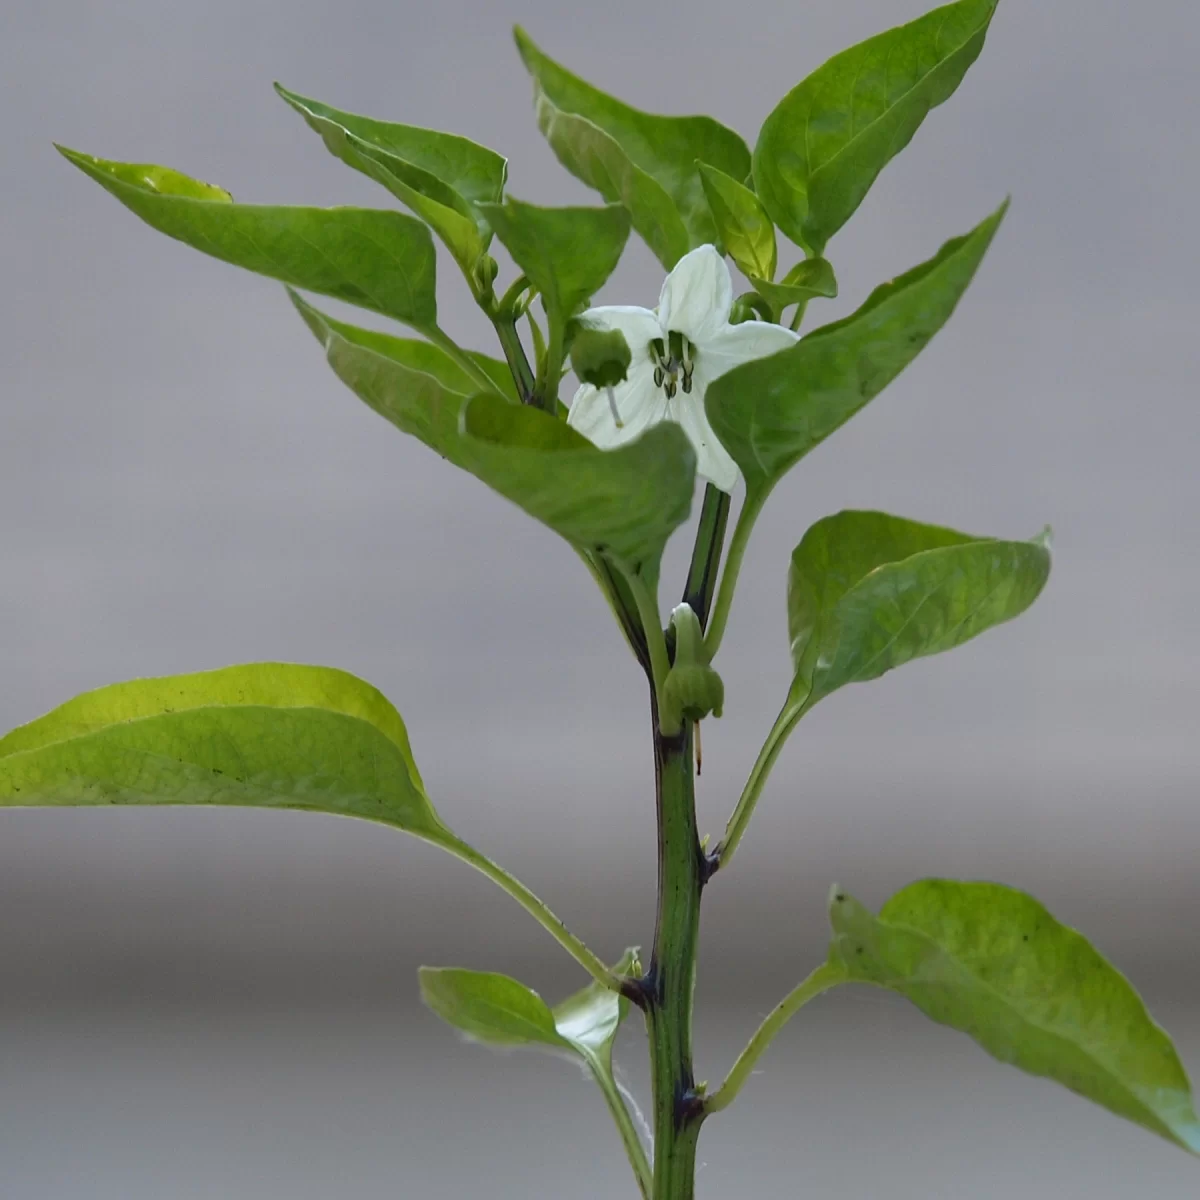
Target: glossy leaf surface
992,962
823,146
743,227
567,253
433,173
771,412
624,502
868,591
383,261
264,735
665,148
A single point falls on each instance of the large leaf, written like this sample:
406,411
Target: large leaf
566,253
826,142
265,735
411,383
438,175
665,148
992,962
623,503
743,227
383,261
868,592
474,172
595,157
771,412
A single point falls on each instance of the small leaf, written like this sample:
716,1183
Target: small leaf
567,253
991,962
264,735
868,592
809,278
499,1011
743,226
489,1008
474,172
771,412
383,261
826,142
623,503
430,172
665,148
411,383
595,157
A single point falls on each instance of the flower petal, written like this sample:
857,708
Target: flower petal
640,404
697,296
639,326
737,344
712,459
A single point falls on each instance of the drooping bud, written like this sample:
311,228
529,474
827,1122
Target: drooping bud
600,357
693,689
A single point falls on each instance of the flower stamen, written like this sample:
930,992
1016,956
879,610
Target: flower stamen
612,407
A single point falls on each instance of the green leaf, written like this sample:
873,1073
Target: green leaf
265,735
809,278
490,1008
438,175
868,592
592,155
743,226
826,142
665,148
771,412
991,962
474,172
383,261
623,503
499,1011
566,253
413,384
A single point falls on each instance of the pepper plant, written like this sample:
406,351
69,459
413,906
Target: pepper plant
708,385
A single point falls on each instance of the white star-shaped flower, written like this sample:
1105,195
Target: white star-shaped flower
677,352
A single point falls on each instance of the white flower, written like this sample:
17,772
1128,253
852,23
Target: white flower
677,352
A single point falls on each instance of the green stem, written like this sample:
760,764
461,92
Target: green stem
792,711
630,1139
706,552
656,644
671,980
533,906
439,337
514,355
753,505
545,393
821,980
798,315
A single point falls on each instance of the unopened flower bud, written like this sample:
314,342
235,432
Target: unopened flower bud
693,689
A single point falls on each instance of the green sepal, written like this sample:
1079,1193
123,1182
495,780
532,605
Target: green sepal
991,962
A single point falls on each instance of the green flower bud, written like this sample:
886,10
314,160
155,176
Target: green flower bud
484,273
693,689
600,357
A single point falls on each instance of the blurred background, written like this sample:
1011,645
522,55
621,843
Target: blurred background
203,1004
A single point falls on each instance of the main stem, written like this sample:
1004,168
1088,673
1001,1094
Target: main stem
670,982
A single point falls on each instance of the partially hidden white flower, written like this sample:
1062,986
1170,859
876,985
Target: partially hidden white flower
677,352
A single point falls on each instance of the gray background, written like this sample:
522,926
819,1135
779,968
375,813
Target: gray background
198,1004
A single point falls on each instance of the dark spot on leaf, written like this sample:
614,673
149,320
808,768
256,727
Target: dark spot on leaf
840,897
